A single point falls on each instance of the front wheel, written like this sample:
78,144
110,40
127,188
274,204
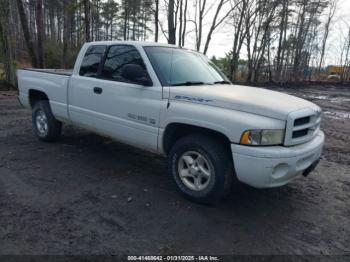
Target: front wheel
202,168
45,125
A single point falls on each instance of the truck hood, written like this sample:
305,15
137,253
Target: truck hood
242,98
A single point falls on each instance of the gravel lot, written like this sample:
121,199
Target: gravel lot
89,195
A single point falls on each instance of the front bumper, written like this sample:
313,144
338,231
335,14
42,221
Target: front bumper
264,167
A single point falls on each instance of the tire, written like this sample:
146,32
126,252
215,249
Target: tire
45,125
217,161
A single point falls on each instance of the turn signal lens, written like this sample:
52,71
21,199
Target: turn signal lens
245,138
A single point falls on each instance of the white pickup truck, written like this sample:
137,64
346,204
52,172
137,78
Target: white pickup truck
175,102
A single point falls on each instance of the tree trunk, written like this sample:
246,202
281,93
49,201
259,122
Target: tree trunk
125,21
65,33
171,23
52,24
216,23
87,20
9,69
184,25
200,23
180,21
156,21
331,13
346,66
27,37
111,29
239,36
283,24
40,32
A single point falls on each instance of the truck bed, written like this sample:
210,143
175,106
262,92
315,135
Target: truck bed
66,72
52,82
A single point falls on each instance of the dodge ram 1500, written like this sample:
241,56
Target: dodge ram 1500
175,102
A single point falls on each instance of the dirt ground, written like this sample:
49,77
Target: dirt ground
89,195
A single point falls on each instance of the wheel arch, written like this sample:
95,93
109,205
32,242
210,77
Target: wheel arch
175,131
36,95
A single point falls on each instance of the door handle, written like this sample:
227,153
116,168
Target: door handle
98,90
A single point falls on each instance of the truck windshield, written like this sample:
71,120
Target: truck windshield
175,67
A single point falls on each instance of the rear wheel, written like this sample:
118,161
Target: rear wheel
201,167
45,125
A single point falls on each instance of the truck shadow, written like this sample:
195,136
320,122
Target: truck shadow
124,195
150,169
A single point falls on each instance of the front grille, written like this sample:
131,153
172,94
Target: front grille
302,126
300,133
301,121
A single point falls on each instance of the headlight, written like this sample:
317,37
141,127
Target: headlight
266,137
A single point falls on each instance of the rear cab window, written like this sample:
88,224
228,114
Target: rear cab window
92,59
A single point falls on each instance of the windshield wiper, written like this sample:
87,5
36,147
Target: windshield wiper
222,82
190,83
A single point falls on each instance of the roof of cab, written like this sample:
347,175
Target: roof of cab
136,43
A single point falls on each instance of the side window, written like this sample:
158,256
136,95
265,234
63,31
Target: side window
117,59
91,61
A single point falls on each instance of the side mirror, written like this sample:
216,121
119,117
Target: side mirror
136,74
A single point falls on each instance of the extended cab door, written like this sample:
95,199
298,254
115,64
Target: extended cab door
115,106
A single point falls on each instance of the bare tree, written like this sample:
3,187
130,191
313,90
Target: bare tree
40,32
282,39
180,22
201,11
346,65
27,35
310,10
52,23
156,21
171,23
87,20
265,17
217,22
286,40
66,25
330,15
184,24
240,30
5,42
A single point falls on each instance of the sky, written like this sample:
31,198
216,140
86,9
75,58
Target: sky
222,39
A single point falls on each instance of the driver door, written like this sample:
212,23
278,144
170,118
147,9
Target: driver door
123,110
